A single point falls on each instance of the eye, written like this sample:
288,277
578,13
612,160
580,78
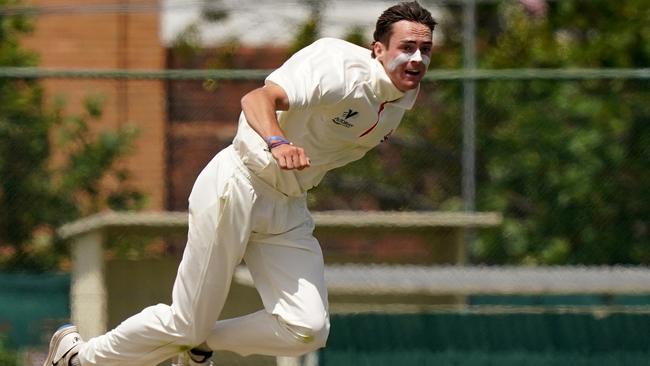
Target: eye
425,50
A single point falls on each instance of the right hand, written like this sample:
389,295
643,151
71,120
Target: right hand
290,157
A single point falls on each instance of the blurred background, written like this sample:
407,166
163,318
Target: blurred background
506,221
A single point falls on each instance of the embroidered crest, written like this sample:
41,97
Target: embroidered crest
343,120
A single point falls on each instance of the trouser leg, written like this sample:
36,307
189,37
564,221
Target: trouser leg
295,320
218,231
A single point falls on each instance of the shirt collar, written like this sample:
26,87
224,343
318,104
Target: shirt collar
386,91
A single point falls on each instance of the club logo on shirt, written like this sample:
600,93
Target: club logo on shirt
343,119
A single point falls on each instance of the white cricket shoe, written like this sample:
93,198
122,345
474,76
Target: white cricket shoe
63,346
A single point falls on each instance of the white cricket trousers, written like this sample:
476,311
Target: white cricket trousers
232,216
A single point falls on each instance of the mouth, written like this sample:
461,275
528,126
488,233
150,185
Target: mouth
412,72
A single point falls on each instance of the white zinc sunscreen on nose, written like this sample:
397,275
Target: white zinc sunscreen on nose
416,56
403,58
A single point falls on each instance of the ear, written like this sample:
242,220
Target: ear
379,50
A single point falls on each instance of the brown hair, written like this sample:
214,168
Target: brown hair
411,11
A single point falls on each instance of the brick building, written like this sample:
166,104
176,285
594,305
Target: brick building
202,115
81,34
182,123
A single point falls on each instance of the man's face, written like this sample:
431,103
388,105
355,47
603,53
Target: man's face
407,55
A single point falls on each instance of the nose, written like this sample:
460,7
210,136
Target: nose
416,56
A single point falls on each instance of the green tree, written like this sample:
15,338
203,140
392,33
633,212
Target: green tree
188,44
566,161
308,32
356,35
36,196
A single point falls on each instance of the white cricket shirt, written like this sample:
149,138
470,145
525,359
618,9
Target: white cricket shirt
341,104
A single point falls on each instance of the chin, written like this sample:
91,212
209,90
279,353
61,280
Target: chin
406,86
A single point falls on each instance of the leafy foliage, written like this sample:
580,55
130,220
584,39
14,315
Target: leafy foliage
188,44
37,194
566,162
308,32
357,36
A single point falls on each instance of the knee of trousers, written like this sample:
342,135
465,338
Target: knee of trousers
308,338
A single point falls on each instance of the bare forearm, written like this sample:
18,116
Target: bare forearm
260,111
259,107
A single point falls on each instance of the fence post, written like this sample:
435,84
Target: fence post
88,288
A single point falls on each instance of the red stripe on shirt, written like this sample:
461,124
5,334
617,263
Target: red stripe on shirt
381,108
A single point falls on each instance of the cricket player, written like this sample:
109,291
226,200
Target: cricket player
325,107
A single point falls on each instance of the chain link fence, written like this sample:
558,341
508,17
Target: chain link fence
559,153
558,147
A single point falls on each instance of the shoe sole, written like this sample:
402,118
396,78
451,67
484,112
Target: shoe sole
56,341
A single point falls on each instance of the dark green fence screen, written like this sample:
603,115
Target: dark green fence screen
31,306
529,339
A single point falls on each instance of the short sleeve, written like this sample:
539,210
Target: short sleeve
313,76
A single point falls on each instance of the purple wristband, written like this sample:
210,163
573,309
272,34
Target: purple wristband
275,141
